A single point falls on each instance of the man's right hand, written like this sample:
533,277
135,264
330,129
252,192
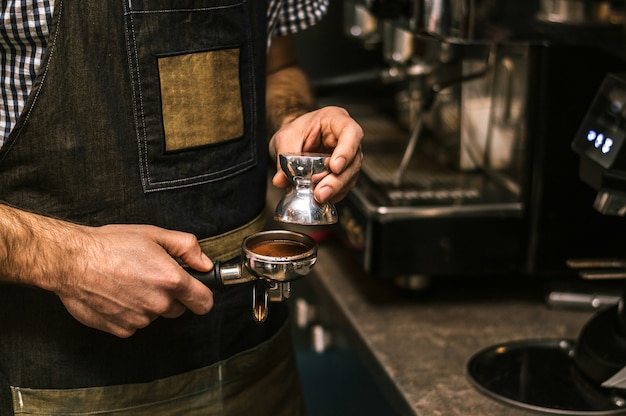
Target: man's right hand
115,278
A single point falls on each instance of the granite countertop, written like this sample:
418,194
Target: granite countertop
417,345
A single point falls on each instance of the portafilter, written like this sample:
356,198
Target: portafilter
269,259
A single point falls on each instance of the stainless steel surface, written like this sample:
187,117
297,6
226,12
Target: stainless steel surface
611,203
583,301
599,268
603,275
232,274
498,114
279,268
298,205
597,263
487,134
445,18
270,262
409,152
273,273
430,209
360,23
398,43
580,11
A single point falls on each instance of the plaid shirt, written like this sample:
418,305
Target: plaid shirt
25,28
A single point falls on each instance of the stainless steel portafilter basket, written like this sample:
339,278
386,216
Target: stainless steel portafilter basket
270,259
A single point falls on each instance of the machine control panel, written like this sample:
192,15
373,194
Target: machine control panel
600,138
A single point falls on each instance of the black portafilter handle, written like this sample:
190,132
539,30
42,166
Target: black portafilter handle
212,279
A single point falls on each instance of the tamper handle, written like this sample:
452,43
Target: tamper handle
212,280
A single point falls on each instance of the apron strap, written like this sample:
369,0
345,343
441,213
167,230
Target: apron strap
227,246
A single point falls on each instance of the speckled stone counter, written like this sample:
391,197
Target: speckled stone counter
417,346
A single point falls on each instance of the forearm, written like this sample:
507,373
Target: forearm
116,278
289,95
34,249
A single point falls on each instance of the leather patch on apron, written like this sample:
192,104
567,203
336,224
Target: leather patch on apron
201,98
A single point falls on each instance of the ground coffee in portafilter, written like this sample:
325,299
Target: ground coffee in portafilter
279,248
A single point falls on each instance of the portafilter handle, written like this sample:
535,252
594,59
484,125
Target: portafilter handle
263,291
221,275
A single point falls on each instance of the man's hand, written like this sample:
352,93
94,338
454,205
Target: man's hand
300,128
327,130
131,279
115,278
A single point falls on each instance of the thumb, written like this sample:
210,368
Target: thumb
199,262
185,246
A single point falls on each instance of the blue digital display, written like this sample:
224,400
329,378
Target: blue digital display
603,143
603,130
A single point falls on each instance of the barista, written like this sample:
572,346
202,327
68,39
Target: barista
142,142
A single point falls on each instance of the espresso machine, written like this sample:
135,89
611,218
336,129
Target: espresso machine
487,96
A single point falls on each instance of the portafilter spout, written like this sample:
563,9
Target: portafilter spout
271,259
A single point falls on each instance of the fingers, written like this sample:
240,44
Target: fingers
190,292
345,163
138,281
124,322
122,326
184,246
195,296
176,290
345,137
327,130
175,310
335,187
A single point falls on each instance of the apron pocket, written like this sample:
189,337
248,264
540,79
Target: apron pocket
194,93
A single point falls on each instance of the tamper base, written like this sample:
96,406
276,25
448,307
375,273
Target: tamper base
299,206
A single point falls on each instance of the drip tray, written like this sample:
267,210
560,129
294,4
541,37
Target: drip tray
540,375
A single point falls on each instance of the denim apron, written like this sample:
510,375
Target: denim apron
144,111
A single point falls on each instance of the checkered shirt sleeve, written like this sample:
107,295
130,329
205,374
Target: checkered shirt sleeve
25,30
291,16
